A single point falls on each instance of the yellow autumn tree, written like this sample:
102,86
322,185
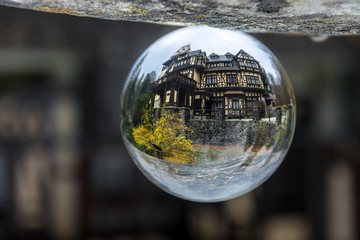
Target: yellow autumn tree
166,139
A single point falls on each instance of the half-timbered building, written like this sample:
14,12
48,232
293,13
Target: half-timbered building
189,79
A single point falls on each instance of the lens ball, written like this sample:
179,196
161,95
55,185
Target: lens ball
207,114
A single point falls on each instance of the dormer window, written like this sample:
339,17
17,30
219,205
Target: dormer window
213,56
215,65
229,55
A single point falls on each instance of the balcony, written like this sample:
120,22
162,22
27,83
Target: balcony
173,78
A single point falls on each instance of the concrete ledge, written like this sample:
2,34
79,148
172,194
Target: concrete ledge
255,16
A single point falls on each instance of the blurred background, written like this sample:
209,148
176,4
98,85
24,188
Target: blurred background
64,171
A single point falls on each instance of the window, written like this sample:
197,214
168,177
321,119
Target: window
252,65
249,103
175,96
168,96
231,78
255,101
216,103
235,103
211,79
228,64
252,79
214,79
214,56
208,79
252,102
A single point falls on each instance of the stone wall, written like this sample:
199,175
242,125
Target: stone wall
232,132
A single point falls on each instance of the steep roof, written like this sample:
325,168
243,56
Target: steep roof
242,53
179,52
220,58
196,53
182,50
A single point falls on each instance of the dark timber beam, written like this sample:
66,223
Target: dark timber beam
314,17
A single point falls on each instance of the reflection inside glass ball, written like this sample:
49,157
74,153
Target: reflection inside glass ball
207,114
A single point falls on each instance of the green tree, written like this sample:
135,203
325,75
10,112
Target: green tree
143,109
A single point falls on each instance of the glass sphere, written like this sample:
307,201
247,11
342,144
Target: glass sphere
207,114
